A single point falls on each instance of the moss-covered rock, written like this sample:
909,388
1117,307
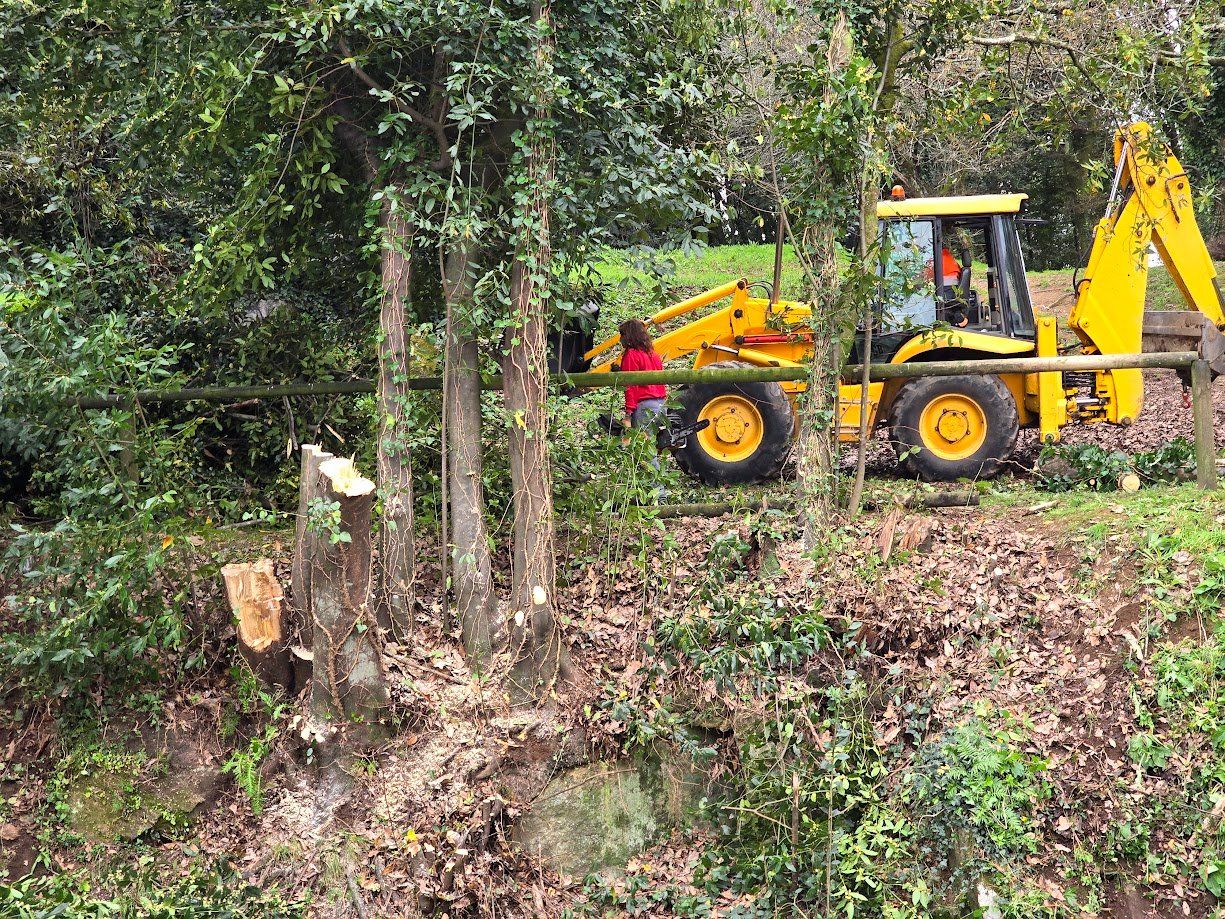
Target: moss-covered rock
599,816
107,797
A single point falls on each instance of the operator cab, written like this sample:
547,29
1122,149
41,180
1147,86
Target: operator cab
950,263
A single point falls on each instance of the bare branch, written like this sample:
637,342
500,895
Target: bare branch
1028,38
434,126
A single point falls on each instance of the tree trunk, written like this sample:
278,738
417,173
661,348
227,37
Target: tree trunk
349,690
540,655
868,196
396,568
817,463
817,445
536,644
258,602
468,545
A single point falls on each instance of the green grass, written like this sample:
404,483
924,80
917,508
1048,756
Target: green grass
1163,293
1183,517
708,268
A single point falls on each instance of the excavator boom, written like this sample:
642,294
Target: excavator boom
1150,202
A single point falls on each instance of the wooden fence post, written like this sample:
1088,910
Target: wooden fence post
1205,442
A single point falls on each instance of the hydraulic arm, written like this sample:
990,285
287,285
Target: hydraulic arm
1150,202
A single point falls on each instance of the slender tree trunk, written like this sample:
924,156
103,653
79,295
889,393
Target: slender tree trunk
536,644
868,195
396,571
817,444
471,565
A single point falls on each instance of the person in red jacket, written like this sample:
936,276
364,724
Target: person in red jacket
643,404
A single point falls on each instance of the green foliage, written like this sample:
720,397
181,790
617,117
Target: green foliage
1180,711
323,518
980,780
245,765
1184,691
638,895
147,891
93,608
191,208
95,602
1065,467
245,762
818,820
736,630
1147,751
813,816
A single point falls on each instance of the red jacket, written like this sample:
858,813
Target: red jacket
633,359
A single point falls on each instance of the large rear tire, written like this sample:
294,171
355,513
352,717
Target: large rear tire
751,429
949,428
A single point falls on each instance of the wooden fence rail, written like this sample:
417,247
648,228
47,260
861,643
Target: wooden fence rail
852,373
1206,472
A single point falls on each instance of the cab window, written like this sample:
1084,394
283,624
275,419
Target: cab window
1016,286
968,291
908,247
981,285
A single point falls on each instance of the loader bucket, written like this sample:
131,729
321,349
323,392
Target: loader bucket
1185,330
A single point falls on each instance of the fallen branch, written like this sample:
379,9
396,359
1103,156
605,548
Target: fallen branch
719,508
942,499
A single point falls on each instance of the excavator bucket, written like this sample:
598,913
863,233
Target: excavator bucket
1185,330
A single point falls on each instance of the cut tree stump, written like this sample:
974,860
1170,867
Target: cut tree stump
349,686
300,629
258,602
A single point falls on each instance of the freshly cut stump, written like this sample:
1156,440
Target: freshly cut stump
258,602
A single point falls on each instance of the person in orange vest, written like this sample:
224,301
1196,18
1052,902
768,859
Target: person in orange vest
950,271
950,268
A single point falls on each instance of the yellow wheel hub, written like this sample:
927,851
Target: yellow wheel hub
736,428
953,426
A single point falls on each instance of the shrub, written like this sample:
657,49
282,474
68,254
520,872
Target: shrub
206,891
1065,467
978,779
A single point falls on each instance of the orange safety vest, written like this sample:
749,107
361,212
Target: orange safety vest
949,268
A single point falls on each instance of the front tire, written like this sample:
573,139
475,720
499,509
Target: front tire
949,428
750,431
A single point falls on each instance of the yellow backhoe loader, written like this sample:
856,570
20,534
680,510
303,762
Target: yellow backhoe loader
977,305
